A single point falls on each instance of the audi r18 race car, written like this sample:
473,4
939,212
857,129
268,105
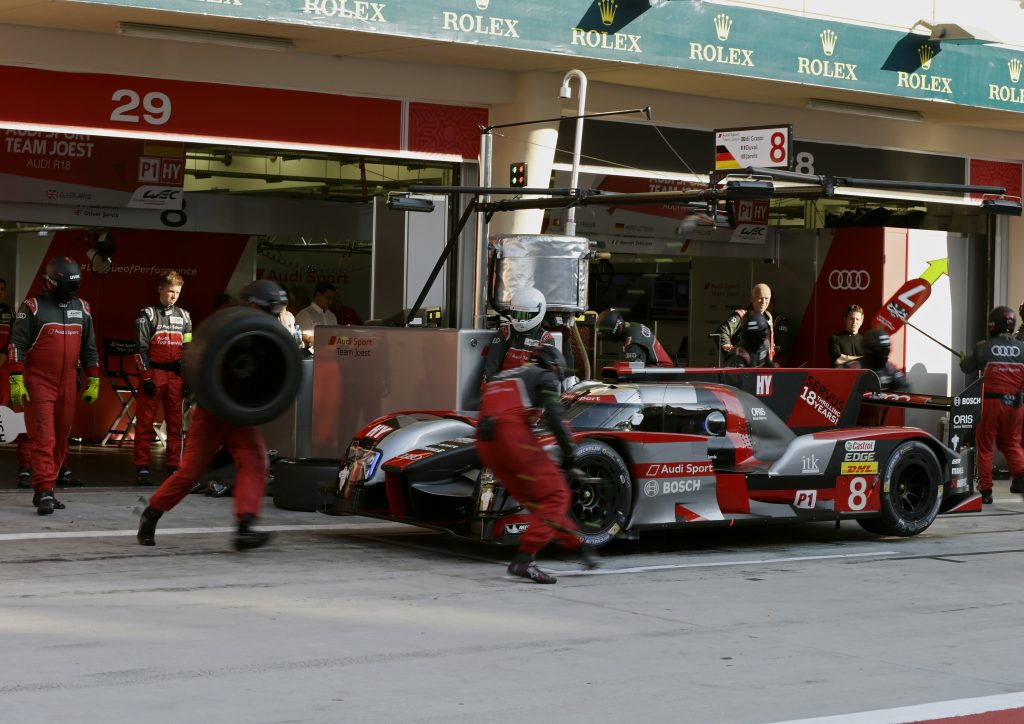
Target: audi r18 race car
673,448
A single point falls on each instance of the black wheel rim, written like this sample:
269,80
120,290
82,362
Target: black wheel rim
595,496
912,490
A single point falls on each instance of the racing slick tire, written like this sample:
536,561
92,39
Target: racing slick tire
602,497
243,366
910,496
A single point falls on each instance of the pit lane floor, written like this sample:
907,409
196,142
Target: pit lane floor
355,620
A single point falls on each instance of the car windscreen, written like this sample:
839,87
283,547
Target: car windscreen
601,415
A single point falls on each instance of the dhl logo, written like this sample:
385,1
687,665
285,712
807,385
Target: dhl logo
859,468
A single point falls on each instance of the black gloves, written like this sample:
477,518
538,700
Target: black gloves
149,387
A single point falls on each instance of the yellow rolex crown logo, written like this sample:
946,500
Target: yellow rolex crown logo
723,24
1015,67
828,41
607,8
925,53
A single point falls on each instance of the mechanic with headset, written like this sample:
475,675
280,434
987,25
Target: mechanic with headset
207,435
1000,360
638,341
730,330
44,371
518,339
511,403
753,348
161,331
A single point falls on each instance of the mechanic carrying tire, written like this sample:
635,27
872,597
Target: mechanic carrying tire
243,367
638,341
1000,360
507,445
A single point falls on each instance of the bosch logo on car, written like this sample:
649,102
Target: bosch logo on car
856,280
965,401
670,470
680,486
651,488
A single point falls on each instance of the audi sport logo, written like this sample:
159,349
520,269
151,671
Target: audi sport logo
854,280
1005,350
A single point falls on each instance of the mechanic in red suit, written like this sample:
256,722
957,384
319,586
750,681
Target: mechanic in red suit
52,334
638,341
160,333
516,340
1000,360
207,435
511,402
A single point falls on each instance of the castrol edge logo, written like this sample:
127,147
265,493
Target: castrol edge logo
674,470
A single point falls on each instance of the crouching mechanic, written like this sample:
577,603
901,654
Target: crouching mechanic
510,404
638,341
207,435
753,349
1000,360
44,371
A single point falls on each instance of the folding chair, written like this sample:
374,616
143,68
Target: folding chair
117,355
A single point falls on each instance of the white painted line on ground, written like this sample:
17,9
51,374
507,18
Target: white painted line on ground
195,531
712,564
924,712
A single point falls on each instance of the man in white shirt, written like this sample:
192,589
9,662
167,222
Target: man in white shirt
317,313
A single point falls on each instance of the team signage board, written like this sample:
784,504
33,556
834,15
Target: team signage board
737,148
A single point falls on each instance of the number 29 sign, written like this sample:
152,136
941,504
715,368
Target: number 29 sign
761,147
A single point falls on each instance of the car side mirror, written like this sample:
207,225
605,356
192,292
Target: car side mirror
714,423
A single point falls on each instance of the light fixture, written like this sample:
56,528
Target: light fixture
1002,205
752,188
406,202
857,109
101,254
953,33
193,35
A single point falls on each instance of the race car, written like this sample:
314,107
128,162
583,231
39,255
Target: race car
675,448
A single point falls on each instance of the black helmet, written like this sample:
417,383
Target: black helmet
550,358
1001,320
264,294
755,328
876,340
61,278
611,325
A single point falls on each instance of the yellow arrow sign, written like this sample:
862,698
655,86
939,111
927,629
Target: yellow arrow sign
936,268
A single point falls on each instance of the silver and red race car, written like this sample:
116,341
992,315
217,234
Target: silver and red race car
676,448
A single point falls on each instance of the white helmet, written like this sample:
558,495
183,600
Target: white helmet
526,309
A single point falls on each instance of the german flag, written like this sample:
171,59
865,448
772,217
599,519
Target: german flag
724,159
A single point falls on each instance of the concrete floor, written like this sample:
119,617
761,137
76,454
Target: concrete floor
354,620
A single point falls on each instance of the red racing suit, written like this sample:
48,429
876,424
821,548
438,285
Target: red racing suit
48,340
160,333
642,346
511,403
510,349
206,436
1000,359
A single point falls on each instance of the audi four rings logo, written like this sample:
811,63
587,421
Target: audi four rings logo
854,280
1000,350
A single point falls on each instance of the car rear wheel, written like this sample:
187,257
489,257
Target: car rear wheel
601,498
910,492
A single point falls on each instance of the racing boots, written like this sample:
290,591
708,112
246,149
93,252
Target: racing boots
524,566
66,480
986,496
142,476
45,503
1016,485
147,526
246,539
24,478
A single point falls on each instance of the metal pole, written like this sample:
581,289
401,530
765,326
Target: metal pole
566,92
479,293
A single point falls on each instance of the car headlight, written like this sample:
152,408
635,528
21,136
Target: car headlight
361,463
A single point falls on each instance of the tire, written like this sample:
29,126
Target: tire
243,366
910,496
600,500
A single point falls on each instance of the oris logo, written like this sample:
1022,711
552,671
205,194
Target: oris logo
854,280
963,419
1006,350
